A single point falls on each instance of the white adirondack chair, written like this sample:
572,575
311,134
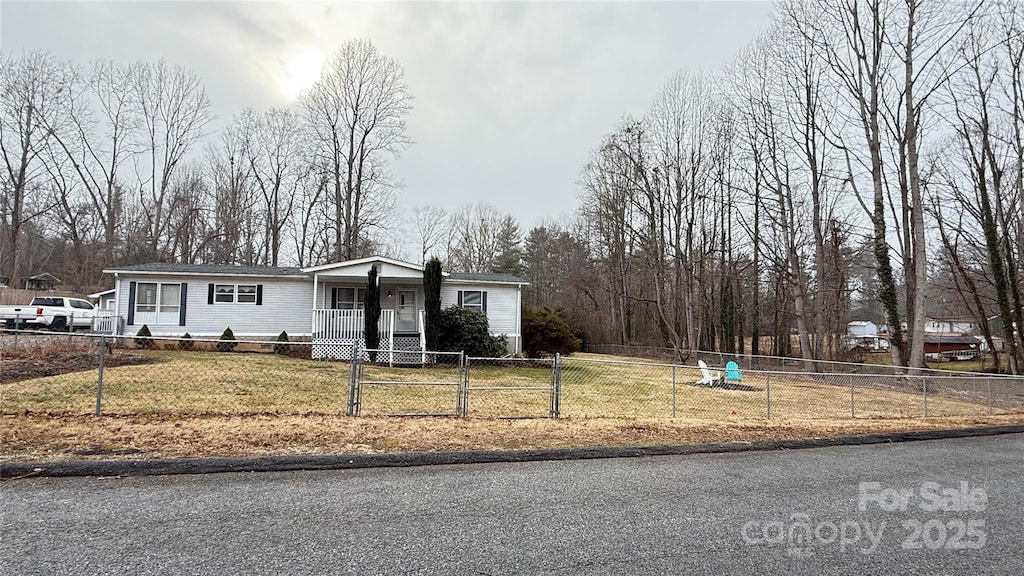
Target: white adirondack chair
708,379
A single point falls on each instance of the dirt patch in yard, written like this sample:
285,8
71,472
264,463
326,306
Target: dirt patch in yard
39,361
38,437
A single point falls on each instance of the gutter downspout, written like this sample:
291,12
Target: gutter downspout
519,319
117,304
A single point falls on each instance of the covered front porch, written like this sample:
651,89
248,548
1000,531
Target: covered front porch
336,332
339,293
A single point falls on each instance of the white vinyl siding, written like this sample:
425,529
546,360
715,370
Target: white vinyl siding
502,308
285,306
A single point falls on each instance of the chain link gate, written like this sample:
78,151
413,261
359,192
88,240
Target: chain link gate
432,386
511,387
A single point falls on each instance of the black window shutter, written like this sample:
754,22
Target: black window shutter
460,298
334,298
259,294
209,294
483,297
131,303
181,303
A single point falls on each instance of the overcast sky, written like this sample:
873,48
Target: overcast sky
510,97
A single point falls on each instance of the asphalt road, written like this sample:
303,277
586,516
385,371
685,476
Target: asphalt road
703,514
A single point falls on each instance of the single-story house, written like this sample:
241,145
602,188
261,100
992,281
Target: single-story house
323,303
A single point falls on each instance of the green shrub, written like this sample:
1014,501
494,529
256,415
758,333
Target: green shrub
466,330
186,342
227,341
282,348
143,338
544,331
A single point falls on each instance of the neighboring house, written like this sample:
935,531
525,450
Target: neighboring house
41,282
938,347
864,335
862,328
323,303
104,300
950,326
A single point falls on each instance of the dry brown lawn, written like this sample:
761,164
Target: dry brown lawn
231,404
206,383
37,437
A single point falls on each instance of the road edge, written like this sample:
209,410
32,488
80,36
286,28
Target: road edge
173,466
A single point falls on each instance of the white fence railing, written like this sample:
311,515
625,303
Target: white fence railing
107,322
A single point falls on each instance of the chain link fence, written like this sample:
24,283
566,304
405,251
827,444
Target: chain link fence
752,361
71,373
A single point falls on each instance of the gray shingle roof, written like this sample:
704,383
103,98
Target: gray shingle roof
487,277
931,339
172,268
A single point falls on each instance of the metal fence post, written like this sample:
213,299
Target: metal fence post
353,381
463,408
99,376
853,407
924,387
556,386
673,391
768,393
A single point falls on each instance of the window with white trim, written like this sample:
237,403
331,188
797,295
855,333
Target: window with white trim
473,299
157,303
349,298
240,293
223,293
246,293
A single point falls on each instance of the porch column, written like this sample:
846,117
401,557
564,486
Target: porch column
312,312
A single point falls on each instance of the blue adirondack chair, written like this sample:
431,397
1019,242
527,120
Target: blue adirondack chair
732,372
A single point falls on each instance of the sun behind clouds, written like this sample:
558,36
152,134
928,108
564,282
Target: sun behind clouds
300,71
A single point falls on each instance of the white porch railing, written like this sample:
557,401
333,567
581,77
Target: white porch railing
348,325
423,334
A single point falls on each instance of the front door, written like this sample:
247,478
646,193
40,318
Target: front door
406,311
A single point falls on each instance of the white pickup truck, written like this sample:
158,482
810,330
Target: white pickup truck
54,312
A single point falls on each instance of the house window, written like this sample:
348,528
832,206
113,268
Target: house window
473,299
349,298
157,303
241,293
246,293
145,297
224,293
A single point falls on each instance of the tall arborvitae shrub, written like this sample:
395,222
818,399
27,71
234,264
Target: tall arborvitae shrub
371,314
432,303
